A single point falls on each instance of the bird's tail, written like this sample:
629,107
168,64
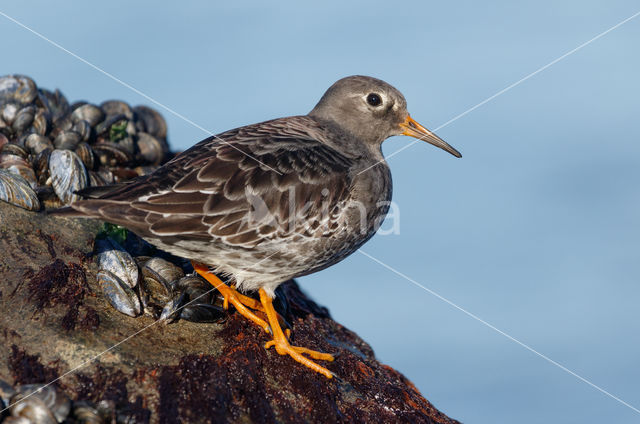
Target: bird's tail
86,193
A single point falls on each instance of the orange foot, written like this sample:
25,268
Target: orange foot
231,295
282,344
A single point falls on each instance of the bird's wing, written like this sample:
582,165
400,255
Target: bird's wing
243,187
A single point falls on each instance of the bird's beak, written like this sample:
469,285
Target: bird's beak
413,129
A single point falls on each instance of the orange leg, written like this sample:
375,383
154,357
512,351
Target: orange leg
248,301
231,295
256,305
282,344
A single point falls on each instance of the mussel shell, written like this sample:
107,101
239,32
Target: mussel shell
40,163
17,164
122,297
86,412
58,403
68,175
163,271
171,310
54,103
32,408
14,149
96,179
154,123
150,149
120,263
153,293
40,122
48,198
106,175
67,140
83,128
24,118
128,145
160,278
9,111
117,107
196,288
111,154
17,88
85,153
36,143
16,190
203,312
88,112
63,124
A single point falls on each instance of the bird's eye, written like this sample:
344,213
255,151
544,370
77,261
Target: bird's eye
374,99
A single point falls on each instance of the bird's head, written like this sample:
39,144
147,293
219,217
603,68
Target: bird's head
373,111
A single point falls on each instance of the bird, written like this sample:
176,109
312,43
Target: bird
268,202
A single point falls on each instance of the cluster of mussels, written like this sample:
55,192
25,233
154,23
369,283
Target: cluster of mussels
50,149
154,286
40,404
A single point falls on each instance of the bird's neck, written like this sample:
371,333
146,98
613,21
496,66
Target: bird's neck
345,141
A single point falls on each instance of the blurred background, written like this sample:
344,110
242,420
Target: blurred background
535,230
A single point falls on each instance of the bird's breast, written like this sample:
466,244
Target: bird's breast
370,197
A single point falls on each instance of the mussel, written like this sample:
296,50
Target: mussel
116,260
55,400
16,190
17,88
68,175
122,297
32,408
36,143
93,115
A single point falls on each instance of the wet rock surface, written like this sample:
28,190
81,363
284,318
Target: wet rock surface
55,318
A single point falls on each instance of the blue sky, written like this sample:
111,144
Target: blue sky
535,230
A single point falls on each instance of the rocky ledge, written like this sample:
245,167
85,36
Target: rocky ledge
56,324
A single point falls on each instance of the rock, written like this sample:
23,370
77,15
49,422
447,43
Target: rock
57,325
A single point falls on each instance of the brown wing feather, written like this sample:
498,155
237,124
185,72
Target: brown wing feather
242,191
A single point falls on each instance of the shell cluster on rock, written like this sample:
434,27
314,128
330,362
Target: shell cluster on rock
59,148
154,286
46,404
